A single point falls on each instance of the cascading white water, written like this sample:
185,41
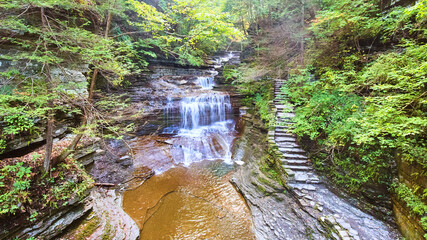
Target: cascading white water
206,131
204,110
206,82
206,127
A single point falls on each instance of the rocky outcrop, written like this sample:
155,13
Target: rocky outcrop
276,214
107,220
340,219
413,176
303,208
54,223
71,80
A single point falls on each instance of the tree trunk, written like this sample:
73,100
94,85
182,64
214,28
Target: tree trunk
92,83
302,32
96,71
50,114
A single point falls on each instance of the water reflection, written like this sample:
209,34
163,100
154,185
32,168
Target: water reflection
189,203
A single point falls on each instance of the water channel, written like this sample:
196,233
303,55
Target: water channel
190,196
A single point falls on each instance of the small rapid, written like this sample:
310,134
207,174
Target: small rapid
205,126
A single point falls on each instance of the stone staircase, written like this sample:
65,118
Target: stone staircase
305,184
295,161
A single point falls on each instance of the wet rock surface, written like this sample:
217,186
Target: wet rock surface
107,220
275,212
53,224
339,218
306,209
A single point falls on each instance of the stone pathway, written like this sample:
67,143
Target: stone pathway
343,220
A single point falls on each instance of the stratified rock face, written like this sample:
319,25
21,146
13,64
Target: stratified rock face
114,222
305,210
72,81
275,212
53,224
410,174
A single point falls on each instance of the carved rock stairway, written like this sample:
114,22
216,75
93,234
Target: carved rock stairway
340,219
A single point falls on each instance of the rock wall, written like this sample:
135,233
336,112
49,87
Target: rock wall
414,176
276,213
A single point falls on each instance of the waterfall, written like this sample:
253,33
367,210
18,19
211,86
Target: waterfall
206,82
202,123
204,110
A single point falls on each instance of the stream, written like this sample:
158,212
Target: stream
190,195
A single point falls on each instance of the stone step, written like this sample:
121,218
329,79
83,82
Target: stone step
284,126
304,177
287,122
284,129
302,186
298,167
285,114
295,156
301,177
280,114
283,134
296,162
281,102
299,193
285,139
287,144
291,150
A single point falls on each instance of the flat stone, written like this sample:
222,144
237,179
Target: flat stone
298,162
290,172
291,150
331,219
299,194
286,114
285,139
303,202
287,144
297,167
308,197
282,134
301,176
307,187
295,156
343,234
284,128
343,223
313,180
353,232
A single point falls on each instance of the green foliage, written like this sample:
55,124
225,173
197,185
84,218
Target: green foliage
188,30
17,123
257,88
261,101
412,201
231,73
18,178
363,109
21,185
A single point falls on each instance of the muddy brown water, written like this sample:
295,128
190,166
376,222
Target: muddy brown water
189,203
